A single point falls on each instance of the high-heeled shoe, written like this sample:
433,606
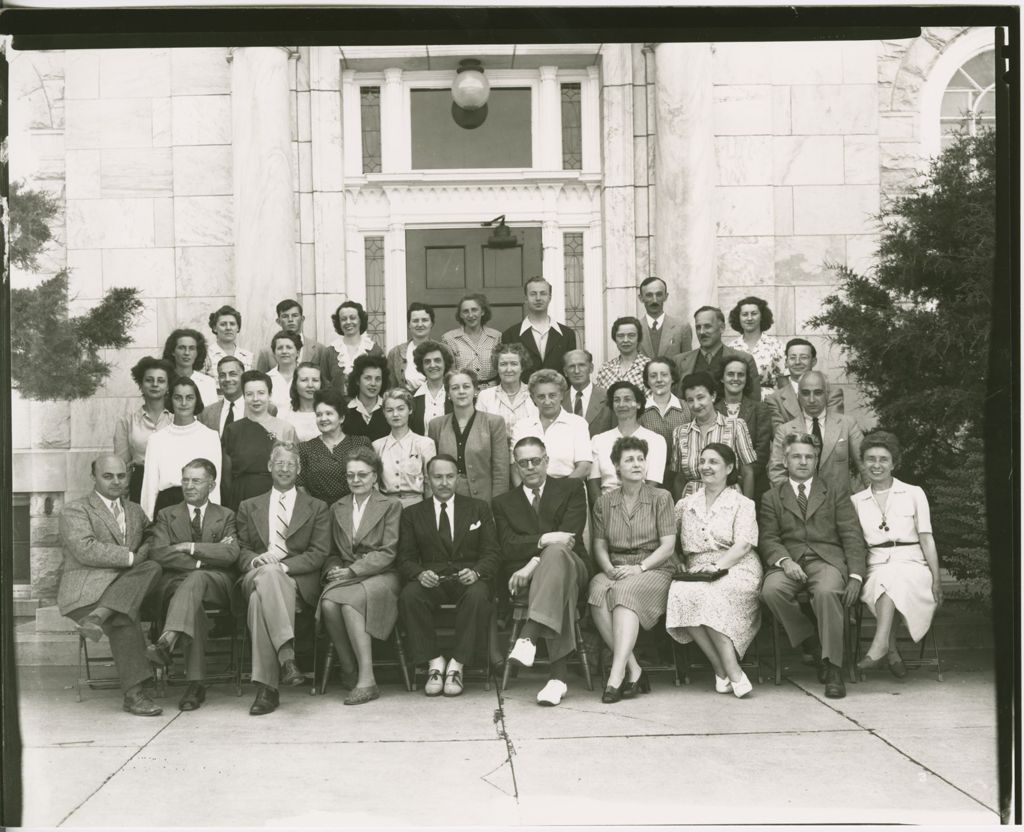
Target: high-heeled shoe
642,684
867,663
613,694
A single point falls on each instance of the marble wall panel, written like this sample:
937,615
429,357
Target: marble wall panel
328,216
782,202
327,157
862,252
784,312
149,270
51,425
114,122
808,300
135,172
109,223
81,74
743,110
203,221
305,166
307,268
204,270
46,566
77,480
744,160
119,384
745,261
860,61
619,251
21,422
203,170
85,273
195,311
807,160
145,333
897,126
161,122
135,73
837,209
782,111
200,71
201,119
801,260
835,109
45,529
82,174
92,421
617,110
860,160
744,211
808,62
34,471
740,63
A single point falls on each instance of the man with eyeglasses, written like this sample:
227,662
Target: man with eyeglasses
195,543
540,530
284,537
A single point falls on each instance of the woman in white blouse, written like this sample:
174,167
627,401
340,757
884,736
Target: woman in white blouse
403,454
510,398
350,321
401,364
903,564
300,413
286,347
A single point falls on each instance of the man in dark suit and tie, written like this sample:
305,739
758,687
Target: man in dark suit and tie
545,339
584,398
540,527
661,333
107,575
223,412
447,551
810,538
784,402
712,354
194,541
284,537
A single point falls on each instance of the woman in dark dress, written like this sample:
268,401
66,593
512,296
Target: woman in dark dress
323,458
247,442
364,415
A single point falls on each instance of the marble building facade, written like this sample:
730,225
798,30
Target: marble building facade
212,176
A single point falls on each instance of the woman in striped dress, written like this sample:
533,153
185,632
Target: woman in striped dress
634,547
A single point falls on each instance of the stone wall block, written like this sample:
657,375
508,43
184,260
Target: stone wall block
785,312
743,110
78,481
640,110
641,147
203,170
801,260
92,421
304,226
135,73
326,145
329,248
201,119
807,160
85,273
782,111
37,504
205,270
44,531
839,209
82,174
745,261
641,224
46,566
860,61
617,110
833,109
114,122
619,250
808,62
21,422
782,203
744,212
51,426
616,63
860,160
163,222
161,130
302,115
643,258
203,221
897,126
862,252
740,63
33,471
744,160
109,223
195,311
808,304
82,74
119,384
144,333
200,71
307,268
149,270
135,172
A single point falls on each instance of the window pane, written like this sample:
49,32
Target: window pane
504,140
369,105
572,244
374,248
572,132
985,106
956,104
981,68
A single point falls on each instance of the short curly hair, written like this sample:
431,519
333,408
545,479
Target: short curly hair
748,385
545,376
147,363
220,313
256,375
628,443
638,394
294,337
366,455
465,371
518,350
172,342
767,319
668,362
363,363
480,298
628,319
728,457
331,397
185,381
364,318
427,347
699,379
881,439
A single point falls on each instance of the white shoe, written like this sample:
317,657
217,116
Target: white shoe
435,682
723,685
523,652
742,687
552,692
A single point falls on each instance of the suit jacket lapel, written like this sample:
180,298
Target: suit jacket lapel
789,401
530,343
462,519
261,518
829,437
182,523
594,406
300,513
375,506
344,514
817,496
789,499
108,518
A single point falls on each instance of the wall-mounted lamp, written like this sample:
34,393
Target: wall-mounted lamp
502,236
470,91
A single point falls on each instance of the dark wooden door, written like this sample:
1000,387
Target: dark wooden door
443,264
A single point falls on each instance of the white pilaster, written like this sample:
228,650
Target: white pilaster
353,123
393,140
395,300
550,120
554,265
590,116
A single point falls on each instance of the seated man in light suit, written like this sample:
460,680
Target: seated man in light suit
584,398
838,435
662,334
284,537
195,544
810,538
540,528
784,402
447,551
107,575
711,354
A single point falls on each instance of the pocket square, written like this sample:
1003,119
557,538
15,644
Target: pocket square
476,525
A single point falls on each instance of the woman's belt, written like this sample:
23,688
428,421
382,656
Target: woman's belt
644,552
889,544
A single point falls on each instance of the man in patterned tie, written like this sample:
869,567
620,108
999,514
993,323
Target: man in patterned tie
107,575
540,530
584,398
284,537
194,541
810,538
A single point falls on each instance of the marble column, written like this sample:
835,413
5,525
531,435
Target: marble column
265,236
685,175
395,152
550,132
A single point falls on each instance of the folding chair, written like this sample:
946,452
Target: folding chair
920,661
86,663
386,663
448,609
746,662
804,599
520,608
226,624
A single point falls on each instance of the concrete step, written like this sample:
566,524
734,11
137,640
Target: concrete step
25,607
40,649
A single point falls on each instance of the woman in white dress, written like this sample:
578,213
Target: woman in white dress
718,530
300,413
286,347
903,564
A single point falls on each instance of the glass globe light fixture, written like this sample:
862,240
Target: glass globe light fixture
470,89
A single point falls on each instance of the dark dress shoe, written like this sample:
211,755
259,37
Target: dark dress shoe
835,688
194,696
137,701
630,690
896,665
823,667
90,628
158,654
266,701
612,694
291,675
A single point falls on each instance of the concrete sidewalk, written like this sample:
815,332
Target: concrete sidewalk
917,751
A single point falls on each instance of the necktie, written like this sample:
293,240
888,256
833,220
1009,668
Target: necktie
577,408
801,498
444,527
279,534
231,414
119,517
816,430
655,337
535,502
197,526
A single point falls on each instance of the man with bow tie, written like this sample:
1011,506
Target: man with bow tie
107,575
194,541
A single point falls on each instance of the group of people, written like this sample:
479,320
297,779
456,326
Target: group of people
368,489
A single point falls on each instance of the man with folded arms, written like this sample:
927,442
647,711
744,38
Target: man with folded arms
540,529
195,544
448,552
284,537
810,538
107,574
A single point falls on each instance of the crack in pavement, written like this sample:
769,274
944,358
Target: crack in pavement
510,749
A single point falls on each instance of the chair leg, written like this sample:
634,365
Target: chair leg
237,650
859,614
400,649
777,651
848,649
679,679
78,681
938,661
757,657
581,648
328,666
517,628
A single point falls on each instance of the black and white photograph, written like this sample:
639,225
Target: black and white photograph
508,434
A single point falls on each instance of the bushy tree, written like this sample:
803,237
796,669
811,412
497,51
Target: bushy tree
915,335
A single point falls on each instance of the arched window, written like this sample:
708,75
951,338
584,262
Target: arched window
968,103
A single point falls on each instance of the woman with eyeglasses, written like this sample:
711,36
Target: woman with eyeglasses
629,366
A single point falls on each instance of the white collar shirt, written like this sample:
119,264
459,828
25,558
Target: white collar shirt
809,421
239,406
796,486
202,512
358,509
449,508
540,333
528,492
660,321
587,392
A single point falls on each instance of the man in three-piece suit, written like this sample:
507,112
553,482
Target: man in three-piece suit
546,340
584,398
810,538
284,537
661,334
107,575
712,355
194,541
838,436
540,527
447,551
784,402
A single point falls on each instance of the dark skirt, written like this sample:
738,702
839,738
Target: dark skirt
249,485
168,497
135,482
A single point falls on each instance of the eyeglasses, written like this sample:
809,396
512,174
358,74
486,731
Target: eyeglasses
357,475
531,461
